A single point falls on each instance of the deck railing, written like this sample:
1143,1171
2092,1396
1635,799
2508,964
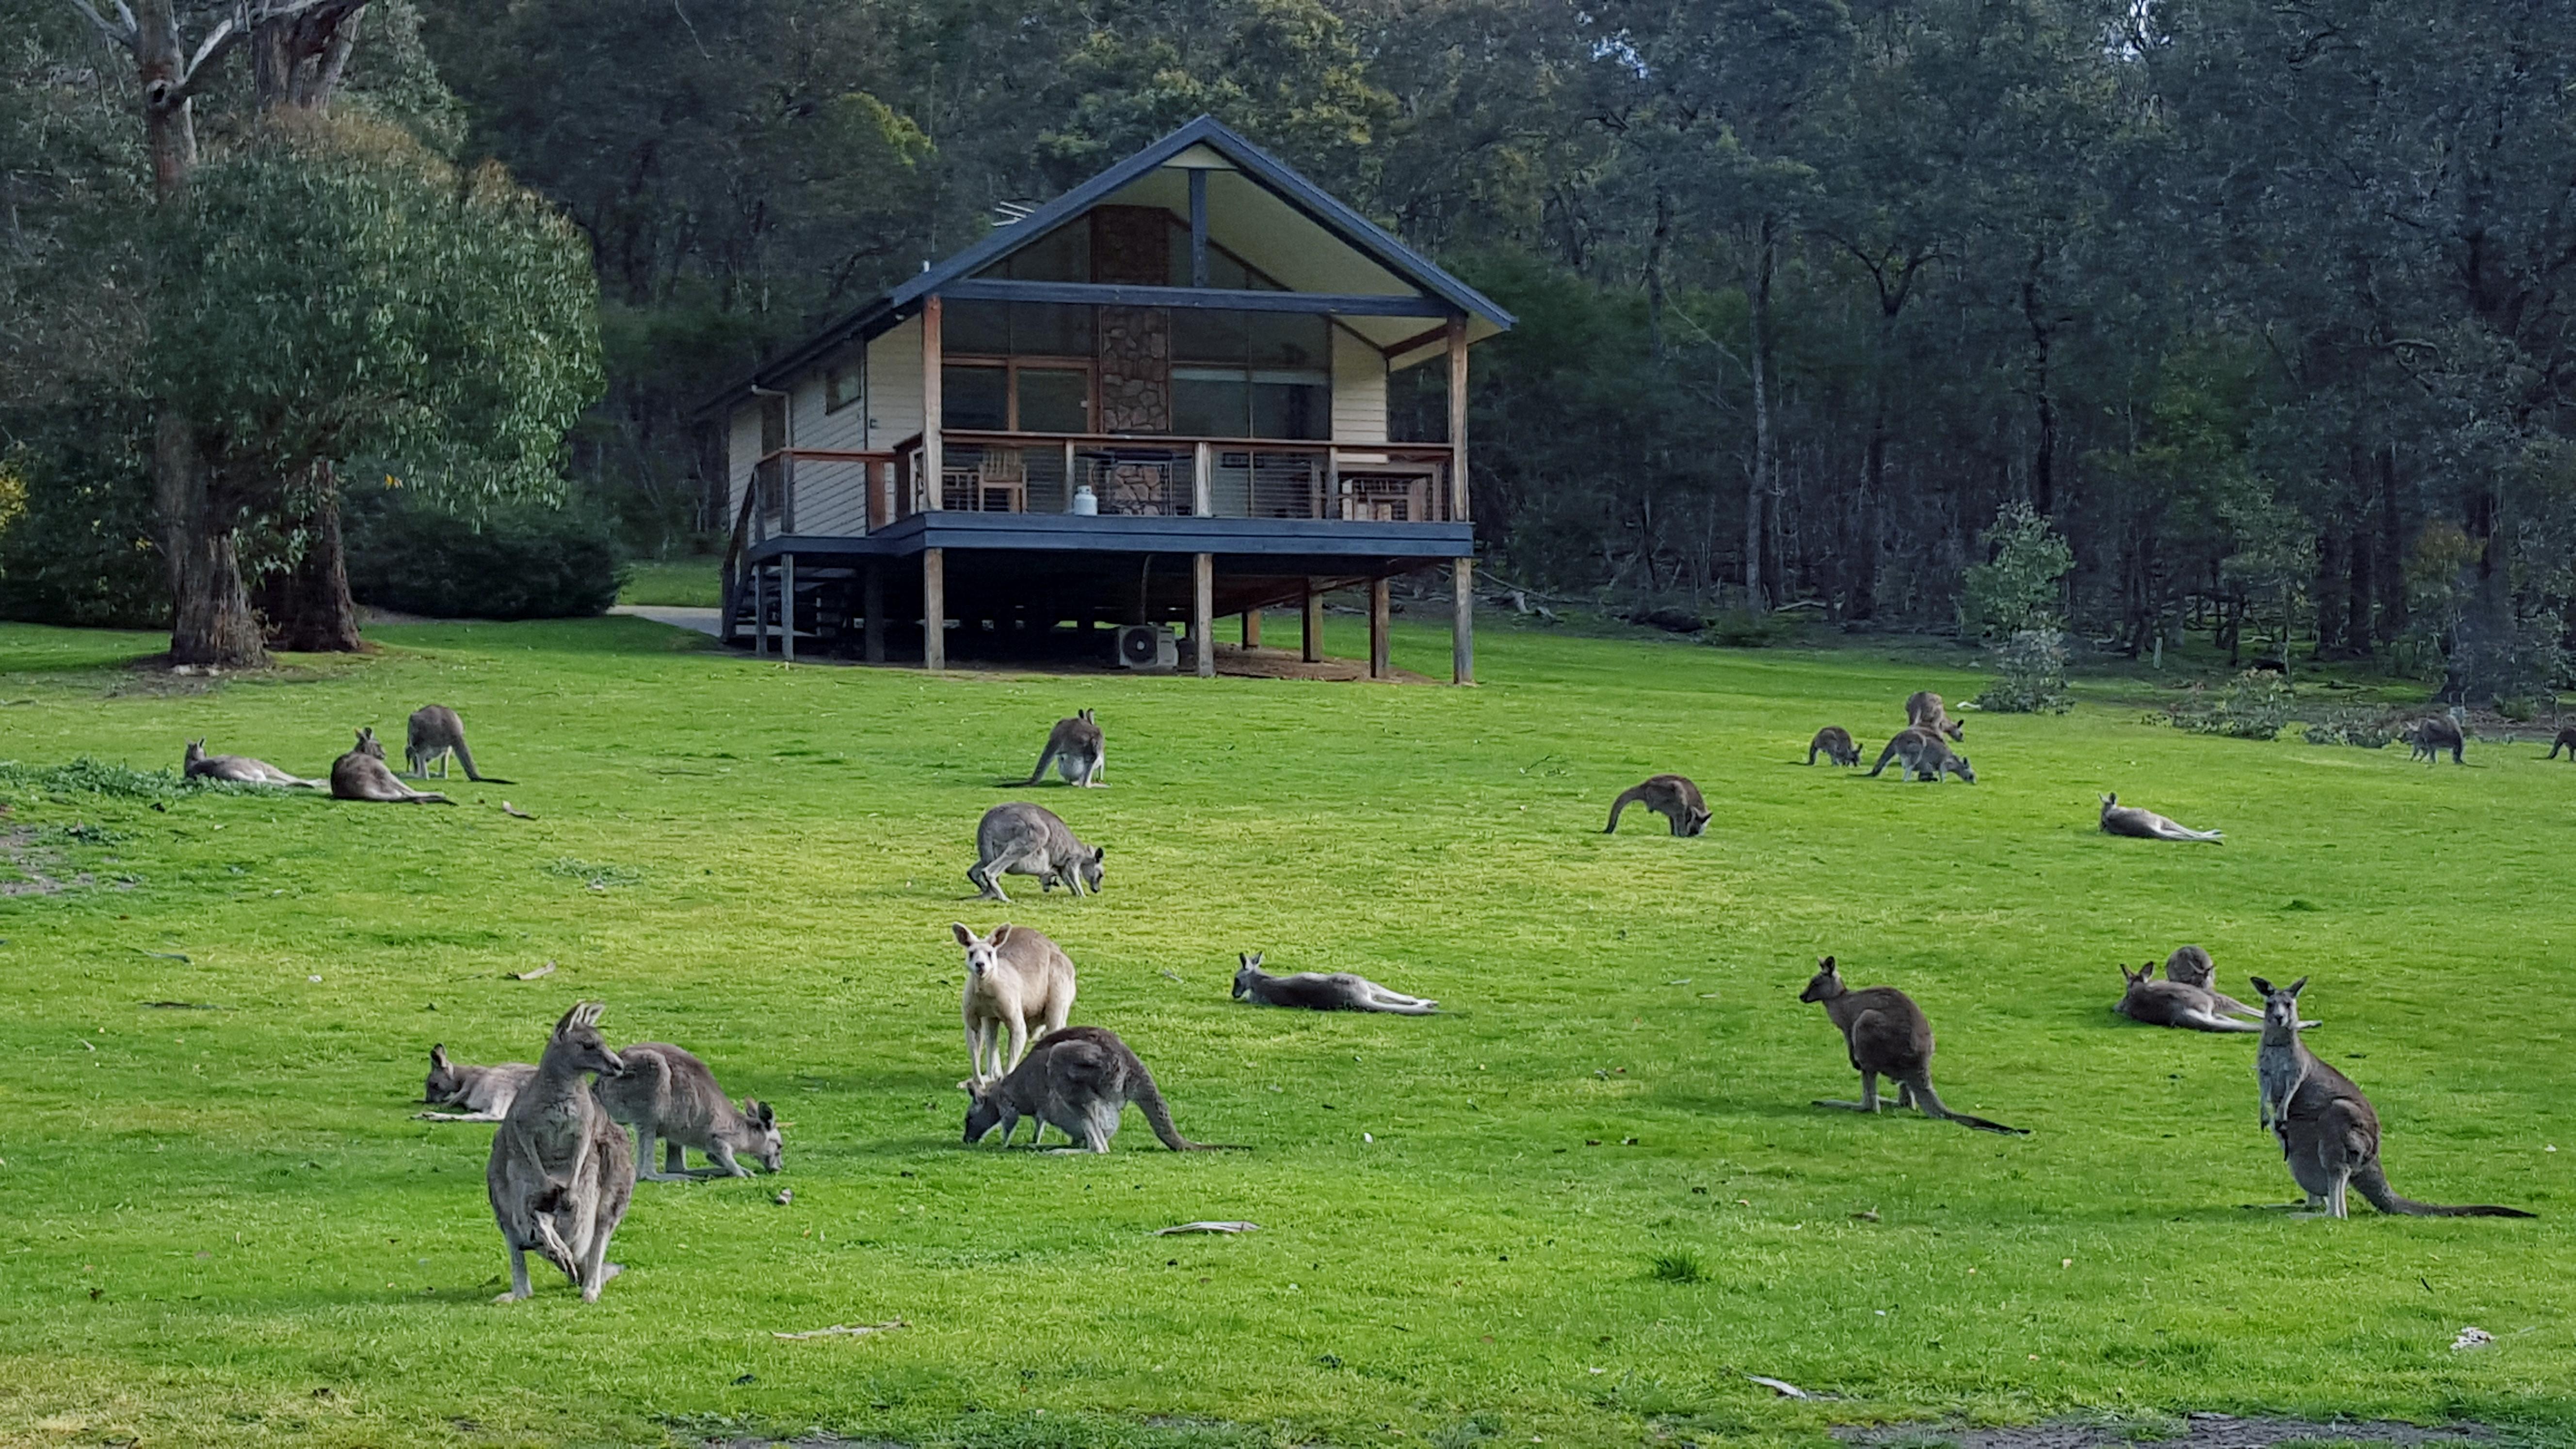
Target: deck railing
1179,477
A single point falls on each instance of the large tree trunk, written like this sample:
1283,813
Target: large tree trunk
211,622
308,606
1766,446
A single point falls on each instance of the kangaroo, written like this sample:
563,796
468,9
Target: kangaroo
2566,741
240,769
434,734
2172,1003
668,1093
1835,744
2435,733
2119,819
1673,797
1076,747
560,1175
484,1092
1020,839
1340,991
2191,966
2329,1134
1923,757
1018,984
1923,711
361,775
1888,1036
1078,1081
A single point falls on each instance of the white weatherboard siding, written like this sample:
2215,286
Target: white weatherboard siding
1359,390
742,451
894,385
831,498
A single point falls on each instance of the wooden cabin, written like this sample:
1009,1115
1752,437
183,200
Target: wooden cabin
1160,399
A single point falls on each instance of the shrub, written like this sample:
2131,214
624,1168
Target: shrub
2030,675
77,540
522,563
2016,588
1679,1266
2362,729
1745,629
2254,706
86,776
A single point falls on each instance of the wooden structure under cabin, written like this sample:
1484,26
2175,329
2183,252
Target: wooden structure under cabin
1161,398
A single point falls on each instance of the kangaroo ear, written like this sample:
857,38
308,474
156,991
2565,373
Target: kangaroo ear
2260,984
965,937
564,1024
1099,853
1252,960
438,1055
1825,964
768,1115
1001,933
2298,986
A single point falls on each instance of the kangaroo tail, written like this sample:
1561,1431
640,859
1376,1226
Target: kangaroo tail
428,797
1045,758
2373,1182
1811,754
1149,1100
1883,757
465,757
1930,1102
1626,798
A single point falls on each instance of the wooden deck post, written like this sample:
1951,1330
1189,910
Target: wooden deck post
787,607
759,610
1462,622
1314,642
1203,610
1462,573
1381,623
934,608
875,604
933,482
1252,628
1203,476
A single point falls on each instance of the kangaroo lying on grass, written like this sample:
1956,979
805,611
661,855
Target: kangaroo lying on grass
1340,991
1078,1081
2119,819
1019,984
361,775
560,1175
484,1092
1672,796
1076,747
1923,711
1925,757
2171,1003
668,1093
2432,735
240,769
1021,839
434,734
2191,966
1887,1036
2328,1132
1835,744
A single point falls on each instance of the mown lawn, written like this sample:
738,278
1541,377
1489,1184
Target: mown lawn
694,582
222,1226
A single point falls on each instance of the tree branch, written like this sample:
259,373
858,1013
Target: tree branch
125,37
218,40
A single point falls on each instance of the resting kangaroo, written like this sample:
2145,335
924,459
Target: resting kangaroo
2119,819
240,769
1925,757
1019,984
1887,1036
2435,733
484,1092
1076,747
2191,966
2329,1135
1834,743
1020,839
1340,991
560,1175
2566,741
1671,796
668,1093
2171,1003
1078,1081
361,775
434,734
1923,711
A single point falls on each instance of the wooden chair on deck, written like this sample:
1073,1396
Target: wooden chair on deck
998,482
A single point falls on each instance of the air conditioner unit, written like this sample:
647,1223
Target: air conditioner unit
1148,646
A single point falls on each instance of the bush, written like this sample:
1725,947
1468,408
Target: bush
2030,675
2016,589
76,526
2254,706
1745,629
522,563
2362,729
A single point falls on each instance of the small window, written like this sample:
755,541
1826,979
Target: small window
1288,339
974,398
1201,334
1062,255
1054,400
1050,329
1210,402
975,327
1291,409
843,382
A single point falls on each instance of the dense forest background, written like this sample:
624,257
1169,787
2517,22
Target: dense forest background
2263,306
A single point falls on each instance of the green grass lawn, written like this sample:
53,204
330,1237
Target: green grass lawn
222,1227
694,582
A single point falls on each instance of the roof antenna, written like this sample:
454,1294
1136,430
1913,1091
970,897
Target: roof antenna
925,264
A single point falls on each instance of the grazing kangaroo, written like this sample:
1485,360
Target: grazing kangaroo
1923,711
2172,1003
667,1092
1673,797
1834,743
1078,1081
2191,966
484,1092
1021,839
361,775
1019,984
434,734
2566,741
240,769
1340,991
560,1175
2435,733
1887,1036
2329,1134
1076,747
1924,757
2119,819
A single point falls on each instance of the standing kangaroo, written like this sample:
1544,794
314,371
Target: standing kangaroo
484,1092
2129,820
667,1092
2172,1003
2191,966
2435,733
1923,710
1019,984
434,734
1022,839
1887,1036
1077,1081
1924,757
240,769
560,1175
1673,797
2329,1134
1834,743
2566,741
361,775
1077,749
1340,991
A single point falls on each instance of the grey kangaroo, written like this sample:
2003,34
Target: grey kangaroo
668,1093
560,1175
2129,820
2432,735
1673,797
2191,966
1019,984
1887,1036
240,769
1340,991
434,734
1923,710
1022,839
484,1092
1835,744
1924,757
1077,750
361,775
2172,1003
2329,1135
1078,1081
2566,741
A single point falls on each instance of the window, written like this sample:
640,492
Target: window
773,424
844,382
975,397
1211,402
1013,396
1062,255
1052,400
983,327
1251,374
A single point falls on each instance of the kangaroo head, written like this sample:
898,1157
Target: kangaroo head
2135,979
771,1149
443,1082
1960,767
983,1109
1093,868
2280,1003
1695,822
981,951
2110,803
1083,715
577,1042
1246,973
1826,984
367,745
2189,965
1955,730
196,751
